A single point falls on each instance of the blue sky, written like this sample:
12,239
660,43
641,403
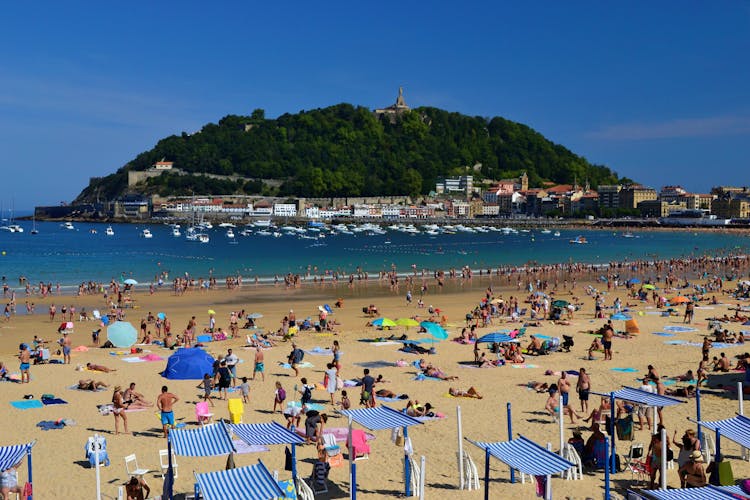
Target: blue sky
659,92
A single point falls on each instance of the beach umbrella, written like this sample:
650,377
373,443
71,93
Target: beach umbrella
407,322
560,303
211,311
66,325
620,316
679,300
634,281
122,334
435,330
648,287
130,281
105,320
384,322
161,316
540,294
255,315
495,337
327,308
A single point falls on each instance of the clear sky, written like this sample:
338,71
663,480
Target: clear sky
658,91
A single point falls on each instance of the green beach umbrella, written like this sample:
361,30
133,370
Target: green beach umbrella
560,303
407,322
384,322
122,334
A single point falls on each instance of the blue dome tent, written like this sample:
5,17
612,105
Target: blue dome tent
188,364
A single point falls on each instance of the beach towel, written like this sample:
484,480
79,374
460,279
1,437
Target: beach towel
375,364
663,334
523,365
304,364
679,329
27,404
54,401
684,342
133,359
624,370
310,406
430,419
242,447
400,397
351,383
153,357
48,425
319,351
422,377
75,388
204,338
378,342
80,348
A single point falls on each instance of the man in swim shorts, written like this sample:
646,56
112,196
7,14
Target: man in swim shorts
584,387
607,334
25,358
66,342
164,402
259,364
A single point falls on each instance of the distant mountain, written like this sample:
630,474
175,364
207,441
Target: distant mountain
347,150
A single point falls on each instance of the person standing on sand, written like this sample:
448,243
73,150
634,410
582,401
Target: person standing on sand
259,364
607,334
25,358
231,360
52,312
164,402
66,342
689,310
118,410
583,386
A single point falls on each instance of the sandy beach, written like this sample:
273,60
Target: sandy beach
61,470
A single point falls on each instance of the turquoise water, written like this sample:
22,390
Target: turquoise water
70,257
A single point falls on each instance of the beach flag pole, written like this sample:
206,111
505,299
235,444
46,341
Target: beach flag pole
663,472
697,412
606,470
741,411
96,466
352,466
487,473
460,449
510,438
170,470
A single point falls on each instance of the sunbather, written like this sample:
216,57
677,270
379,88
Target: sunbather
90,385
135,399
437,373
470,393
99,368
414,409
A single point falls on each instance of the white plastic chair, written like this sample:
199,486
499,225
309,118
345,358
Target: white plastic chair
164,462
708,447
571,455
131,466
471,476
304,492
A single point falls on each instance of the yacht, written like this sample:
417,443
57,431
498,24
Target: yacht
67,225
146,233
14,228
262,223
109,231
227,224
230,233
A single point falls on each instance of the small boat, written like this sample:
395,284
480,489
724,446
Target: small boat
230,233
146,233
109,231
628,235
545,231
67,225
227,224
93,231
176,231
15,228
203,238
557,233
578,240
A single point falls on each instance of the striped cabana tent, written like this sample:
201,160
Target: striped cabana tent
269,434
524,455
207,441
253,482
736,429
633,395
704,493
376,419
11,455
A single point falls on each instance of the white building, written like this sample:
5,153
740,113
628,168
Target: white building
284,210
312,212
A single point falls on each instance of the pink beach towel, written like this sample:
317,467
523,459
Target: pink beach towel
359,443
152,357
81,348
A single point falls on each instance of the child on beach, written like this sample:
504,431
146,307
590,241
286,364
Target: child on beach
279,396
245,388
345,403
305,392
207,385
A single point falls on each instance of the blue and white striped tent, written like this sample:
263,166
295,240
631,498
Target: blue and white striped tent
495,337
635,395
265,434
253,482
526,456
380,418
736,428
206,441
11,455
705,493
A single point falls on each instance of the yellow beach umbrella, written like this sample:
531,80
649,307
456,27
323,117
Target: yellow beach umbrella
211,311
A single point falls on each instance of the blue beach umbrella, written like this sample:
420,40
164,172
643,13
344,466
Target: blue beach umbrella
122,334
620,316
255,315
161,316
105,320
634,280
495,337
434,329
130,281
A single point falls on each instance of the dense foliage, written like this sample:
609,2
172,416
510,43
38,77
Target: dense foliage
347,150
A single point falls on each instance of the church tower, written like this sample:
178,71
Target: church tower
524,182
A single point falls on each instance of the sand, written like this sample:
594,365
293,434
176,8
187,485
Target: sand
61,470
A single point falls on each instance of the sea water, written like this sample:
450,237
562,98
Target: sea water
69,257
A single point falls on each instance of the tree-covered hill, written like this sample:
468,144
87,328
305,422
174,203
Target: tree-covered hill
345,150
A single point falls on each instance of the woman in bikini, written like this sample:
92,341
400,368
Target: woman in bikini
118,410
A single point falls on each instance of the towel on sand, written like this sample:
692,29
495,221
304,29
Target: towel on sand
304,364
624,370
47,425
27,404
523,365
54,401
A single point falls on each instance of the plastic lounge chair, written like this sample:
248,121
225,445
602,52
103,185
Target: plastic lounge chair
236,409
164,463
319,477
202,414
332,449
304,492
97,446
471,475
131,466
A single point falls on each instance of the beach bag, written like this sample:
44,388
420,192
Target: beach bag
336,460
27,490
306,395
726,476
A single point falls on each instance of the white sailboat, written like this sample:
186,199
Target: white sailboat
33,224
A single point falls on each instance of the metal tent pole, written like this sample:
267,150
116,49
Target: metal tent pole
460,449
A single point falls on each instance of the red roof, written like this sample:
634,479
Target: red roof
560,188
